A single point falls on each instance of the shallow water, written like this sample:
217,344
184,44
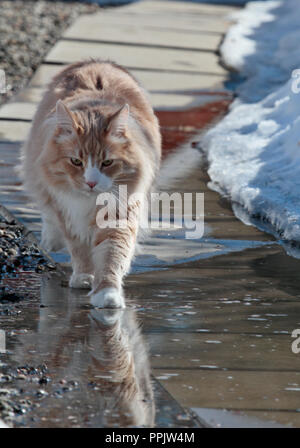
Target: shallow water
79,366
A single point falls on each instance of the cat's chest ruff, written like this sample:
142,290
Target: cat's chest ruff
78,212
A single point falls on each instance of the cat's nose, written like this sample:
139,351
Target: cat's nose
92,184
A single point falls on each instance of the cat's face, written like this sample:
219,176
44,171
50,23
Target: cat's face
91,155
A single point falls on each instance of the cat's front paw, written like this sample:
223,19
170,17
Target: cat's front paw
81,281
108,298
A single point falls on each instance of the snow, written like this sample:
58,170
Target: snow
254,152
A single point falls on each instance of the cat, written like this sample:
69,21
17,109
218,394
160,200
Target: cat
94,131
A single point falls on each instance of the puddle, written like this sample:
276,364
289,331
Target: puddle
221,418
71,365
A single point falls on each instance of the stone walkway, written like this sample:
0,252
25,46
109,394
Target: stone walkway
217,312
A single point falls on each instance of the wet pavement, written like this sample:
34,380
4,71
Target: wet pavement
205,339
71,365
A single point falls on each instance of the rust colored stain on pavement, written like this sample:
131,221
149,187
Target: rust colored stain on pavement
179,126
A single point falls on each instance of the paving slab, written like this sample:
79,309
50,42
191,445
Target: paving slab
17,110
12,193
141,57
13,131
136,34
176,7
182,23
250,352
267,419
236,390
222,418
153,81
216,318
252,276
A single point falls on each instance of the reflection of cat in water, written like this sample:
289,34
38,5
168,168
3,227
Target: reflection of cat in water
111,355
123,354
103,351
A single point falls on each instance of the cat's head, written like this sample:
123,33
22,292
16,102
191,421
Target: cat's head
90,150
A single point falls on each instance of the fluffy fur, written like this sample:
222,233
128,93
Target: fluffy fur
94,130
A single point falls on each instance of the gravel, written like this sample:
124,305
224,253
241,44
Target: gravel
19,255
14,401
28,30
23,389
21,262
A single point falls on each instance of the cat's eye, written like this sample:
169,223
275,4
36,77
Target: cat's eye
76,162
107,162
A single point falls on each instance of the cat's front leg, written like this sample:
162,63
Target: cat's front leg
52,237
112,255
82,265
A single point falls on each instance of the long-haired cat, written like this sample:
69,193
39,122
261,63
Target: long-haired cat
93,132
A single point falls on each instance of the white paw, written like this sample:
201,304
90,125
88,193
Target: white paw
82,281
108,298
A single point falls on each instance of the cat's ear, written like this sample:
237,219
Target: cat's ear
64,118
118,123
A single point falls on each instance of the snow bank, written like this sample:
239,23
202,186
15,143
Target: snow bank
254,153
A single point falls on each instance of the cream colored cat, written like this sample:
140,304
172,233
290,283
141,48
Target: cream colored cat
94,130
